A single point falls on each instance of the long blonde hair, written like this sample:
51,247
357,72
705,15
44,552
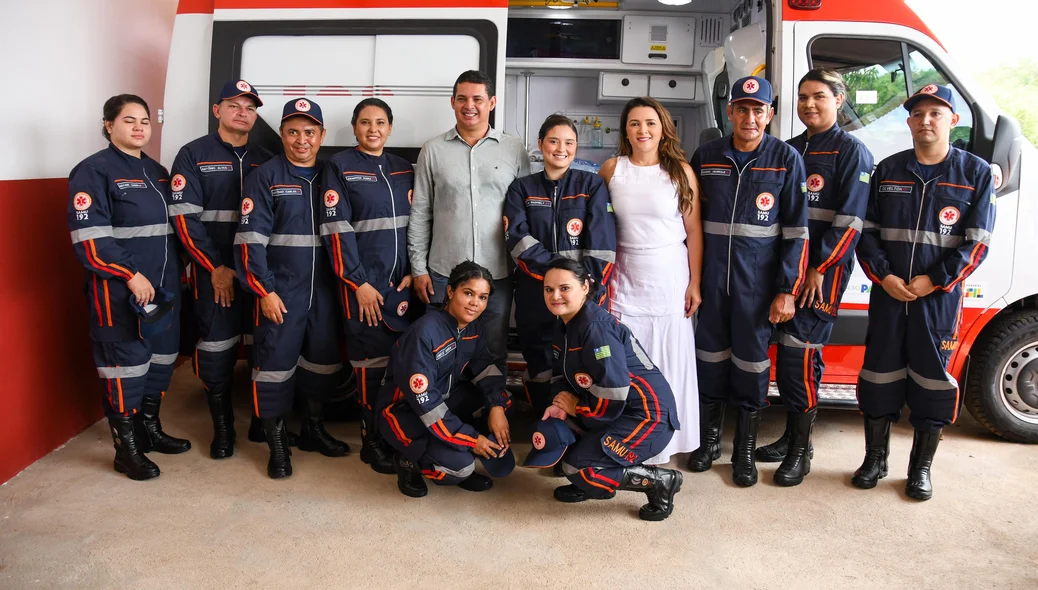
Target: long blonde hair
672,156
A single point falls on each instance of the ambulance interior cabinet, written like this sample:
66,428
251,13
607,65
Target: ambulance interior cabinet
659,40
614,87
666,88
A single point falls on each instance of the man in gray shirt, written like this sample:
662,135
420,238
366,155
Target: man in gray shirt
459,196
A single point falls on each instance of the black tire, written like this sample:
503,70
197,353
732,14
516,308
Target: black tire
985,397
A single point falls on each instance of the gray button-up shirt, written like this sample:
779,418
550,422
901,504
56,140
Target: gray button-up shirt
459,200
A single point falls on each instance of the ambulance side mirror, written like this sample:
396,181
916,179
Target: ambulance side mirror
1000,144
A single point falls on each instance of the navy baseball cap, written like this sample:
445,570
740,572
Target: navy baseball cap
303,107
752,88
501,465
550,441
236,88
394,309
155,317
934,91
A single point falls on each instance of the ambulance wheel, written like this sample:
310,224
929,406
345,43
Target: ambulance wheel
1002,385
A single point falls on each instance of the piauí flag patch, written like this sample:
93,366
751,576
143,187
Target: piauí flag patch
864,177
602,352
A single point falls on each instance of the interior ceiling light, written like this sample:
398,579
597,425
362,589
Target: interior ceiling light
675,2
563,4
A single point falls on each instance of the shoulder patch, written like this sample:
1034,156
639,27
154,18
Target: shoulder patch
602,352
419,383
864,177
247,206
331,198
584,380
178,183
82,201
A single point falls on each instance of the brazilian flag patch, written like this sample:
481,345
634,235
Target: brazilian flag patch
864,177
602,352
609,207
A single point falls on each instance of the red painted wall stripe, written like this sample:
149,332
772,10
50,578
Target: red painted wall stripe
50,388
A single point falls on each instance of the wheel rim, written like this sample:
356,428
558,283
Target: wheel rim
1019,383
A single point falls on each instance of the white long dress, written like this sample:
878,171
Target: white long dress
649,283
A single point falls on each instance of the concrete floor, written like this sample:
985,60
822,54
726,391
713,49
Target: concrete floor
70,521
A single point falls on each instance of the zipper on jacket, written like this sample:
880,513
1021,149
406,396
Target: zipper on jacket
241,171
555,217
731,226
165,236
396,240
918,222
313,248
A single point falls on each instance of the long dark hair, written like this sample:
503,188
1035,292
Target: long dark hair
672,156
114,106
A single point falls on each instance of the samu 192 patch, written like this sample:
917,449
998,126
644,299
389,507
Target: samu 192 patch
602,352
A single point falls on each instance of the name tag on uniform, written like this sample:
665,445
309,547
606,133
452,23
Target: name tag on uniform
291,191
446,350
130,184
715,172
221,167
360,178
538,202
896,188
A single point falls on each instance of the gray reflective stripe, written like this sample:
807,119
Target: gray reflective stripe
795,233
142,231
246,339
378,361
434,415
91,233
604,255
883,378
217,346
948,382
542,377
382,223
577,255
870,225
524,244
164,359
713,357
926,238
462,473
794,342
123,372
741,229
821,214
184,209
490,371
557,378
850,221
336,227
751,366
273,376
222,216
978,235
568,469
294,240
306,365
610,392
640,353
250,237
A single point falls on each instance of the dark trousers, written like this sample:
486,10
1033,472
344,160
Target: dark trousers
220,331
798,359
596,463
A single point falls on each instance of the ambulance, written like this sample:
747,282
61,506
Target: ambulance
585,58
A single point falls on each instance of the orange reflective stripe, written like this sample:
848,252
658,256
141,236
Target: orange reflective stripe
592,483
108,303
839,250
97,304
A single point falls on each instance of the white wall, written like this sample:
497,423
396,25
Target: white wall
61,60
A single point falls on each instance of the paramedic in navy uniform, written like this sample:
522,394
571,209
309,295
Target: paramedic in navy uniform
440,375
121,234
557,212
205,192
838,167
603,378
367,200
927,228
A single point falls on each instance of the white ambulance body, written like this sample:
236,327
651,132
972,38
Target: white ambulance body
586,58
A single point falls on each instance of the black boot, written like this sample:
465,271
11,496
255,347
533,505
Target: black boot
924,445
877,447
744,466
797,463
477,482
711,419
128,458
776,451
256,432
222,411
148,429
409,478
373,450
280,463
313,436
658,484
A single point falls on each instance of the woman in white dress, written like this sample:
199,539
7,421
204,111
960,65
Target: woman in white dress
659,254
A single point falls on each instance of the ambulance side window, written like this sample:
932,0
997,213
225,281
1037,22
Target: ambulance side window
876,88
923,73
